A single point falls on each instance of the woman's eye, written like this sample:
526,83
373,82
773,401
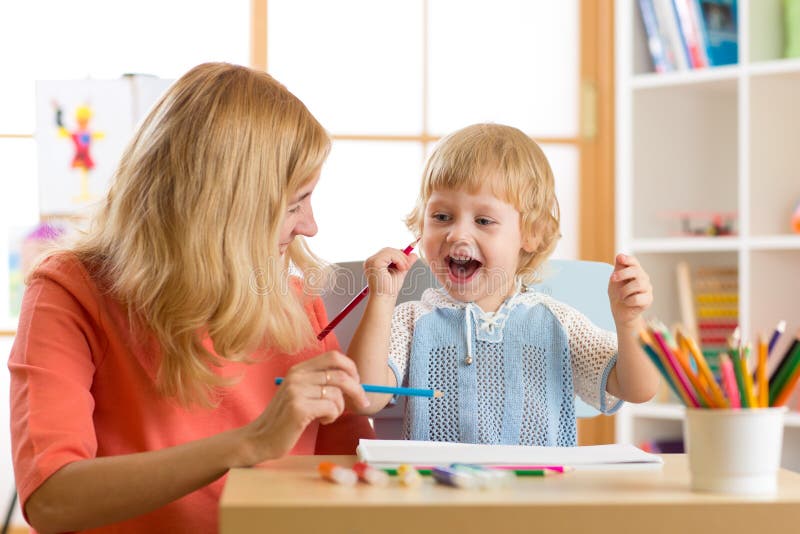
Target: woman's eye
294,209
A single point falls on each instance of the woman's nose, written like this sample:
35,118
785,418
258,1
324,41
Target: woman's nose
306,226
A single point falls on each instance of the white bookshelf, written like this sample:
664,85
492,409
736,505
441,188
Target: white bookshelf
723,139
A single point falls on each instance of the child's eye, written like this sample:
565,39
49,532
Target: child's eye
442,217
484,221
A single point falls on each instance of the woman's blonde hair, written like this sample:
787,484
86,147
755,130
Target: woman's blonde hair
187,237
518,172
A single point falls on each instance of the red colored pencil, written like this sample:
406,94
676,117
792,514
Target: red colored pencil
353,303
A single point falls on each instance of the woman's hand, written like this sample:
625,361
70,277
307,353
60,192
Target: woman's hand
312,390
386,270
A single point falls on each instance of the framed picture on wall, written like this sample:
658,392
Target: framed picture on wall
82,127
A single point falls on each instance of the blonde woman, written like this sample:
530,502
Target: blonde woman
145,360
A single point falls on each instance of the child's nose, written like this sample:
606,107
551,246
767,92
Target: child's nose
459,231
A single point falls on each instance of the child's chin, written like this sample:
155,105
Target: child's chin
464,293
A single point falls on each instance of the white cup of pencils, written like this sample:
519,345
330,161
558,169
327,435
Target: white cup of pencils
734,418
734,451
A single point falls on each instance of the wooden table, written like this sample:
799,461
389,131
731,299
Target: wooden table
288,496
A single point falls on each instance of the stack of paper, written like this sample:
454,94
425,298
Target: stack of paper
391,453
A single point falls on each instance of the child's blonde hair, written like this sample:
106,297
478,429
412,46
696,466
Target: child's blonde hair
518,172
187,237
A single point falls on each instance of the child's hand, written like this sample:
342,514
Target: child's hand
629,290
386,271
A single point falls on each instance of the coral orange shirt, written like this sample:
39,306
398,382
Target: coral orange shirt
83,387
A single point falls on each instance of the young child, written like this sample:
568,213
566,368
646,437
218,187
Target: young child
508,359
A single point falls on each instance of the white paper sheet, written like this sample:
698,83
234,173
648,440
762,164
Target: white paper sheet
390,453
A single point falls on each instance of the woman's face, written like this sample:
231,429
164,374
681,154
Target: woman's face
299,217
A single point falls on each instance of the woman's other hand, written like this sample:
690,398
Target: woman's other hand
315,389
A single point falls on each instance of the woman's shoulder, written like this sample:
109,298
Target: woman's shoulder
60,265
67,270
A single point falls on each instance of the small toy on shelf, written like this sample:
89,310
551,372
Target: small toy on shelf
796,219
704,223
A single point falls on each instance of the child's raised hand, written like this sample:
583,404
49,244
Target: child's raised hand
386,270
629,290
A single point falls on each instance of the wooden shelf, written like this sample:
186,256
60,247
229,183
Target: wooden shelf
774,242
685,244
711,78
780,67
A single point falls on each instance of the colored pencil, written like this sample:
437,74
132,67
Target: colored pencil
761,373
535,472
407,392
783,375
703,397
660,361
353,303
773,340
785,390
683,381
425,470
705,370
748,378
783,361
651,353
738,371
395,471
523,468
729,380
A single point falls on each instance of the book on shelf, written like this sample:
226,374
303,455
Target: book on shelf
690,34
668,20
689,22
719,31
662,55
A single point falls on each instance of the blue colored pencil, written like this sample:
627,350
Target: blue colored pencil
775,335
408,392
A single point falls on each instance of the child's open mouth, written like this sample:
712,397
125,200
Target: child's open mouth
462,268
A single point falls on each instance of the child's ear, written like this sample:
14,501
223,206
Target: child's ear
531,243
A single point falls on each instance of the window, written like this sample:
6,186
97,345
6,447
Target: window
389,78
83,39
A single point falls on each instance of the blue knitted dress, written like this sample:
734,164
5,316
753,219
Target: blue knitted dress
508,377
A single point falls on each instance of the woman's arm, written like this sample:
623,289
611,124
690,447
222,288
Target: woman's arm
369,347
99,491
96,492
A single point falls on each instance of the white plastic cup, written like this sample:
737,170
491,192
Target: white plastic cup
734,451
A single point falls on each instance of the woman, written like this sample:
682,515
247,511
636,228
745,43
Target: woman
144,364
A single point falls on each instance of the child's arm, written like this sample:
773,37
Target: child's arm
369,347
633,378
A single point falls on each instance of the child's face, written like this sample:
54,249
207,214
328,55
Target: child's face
472,243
